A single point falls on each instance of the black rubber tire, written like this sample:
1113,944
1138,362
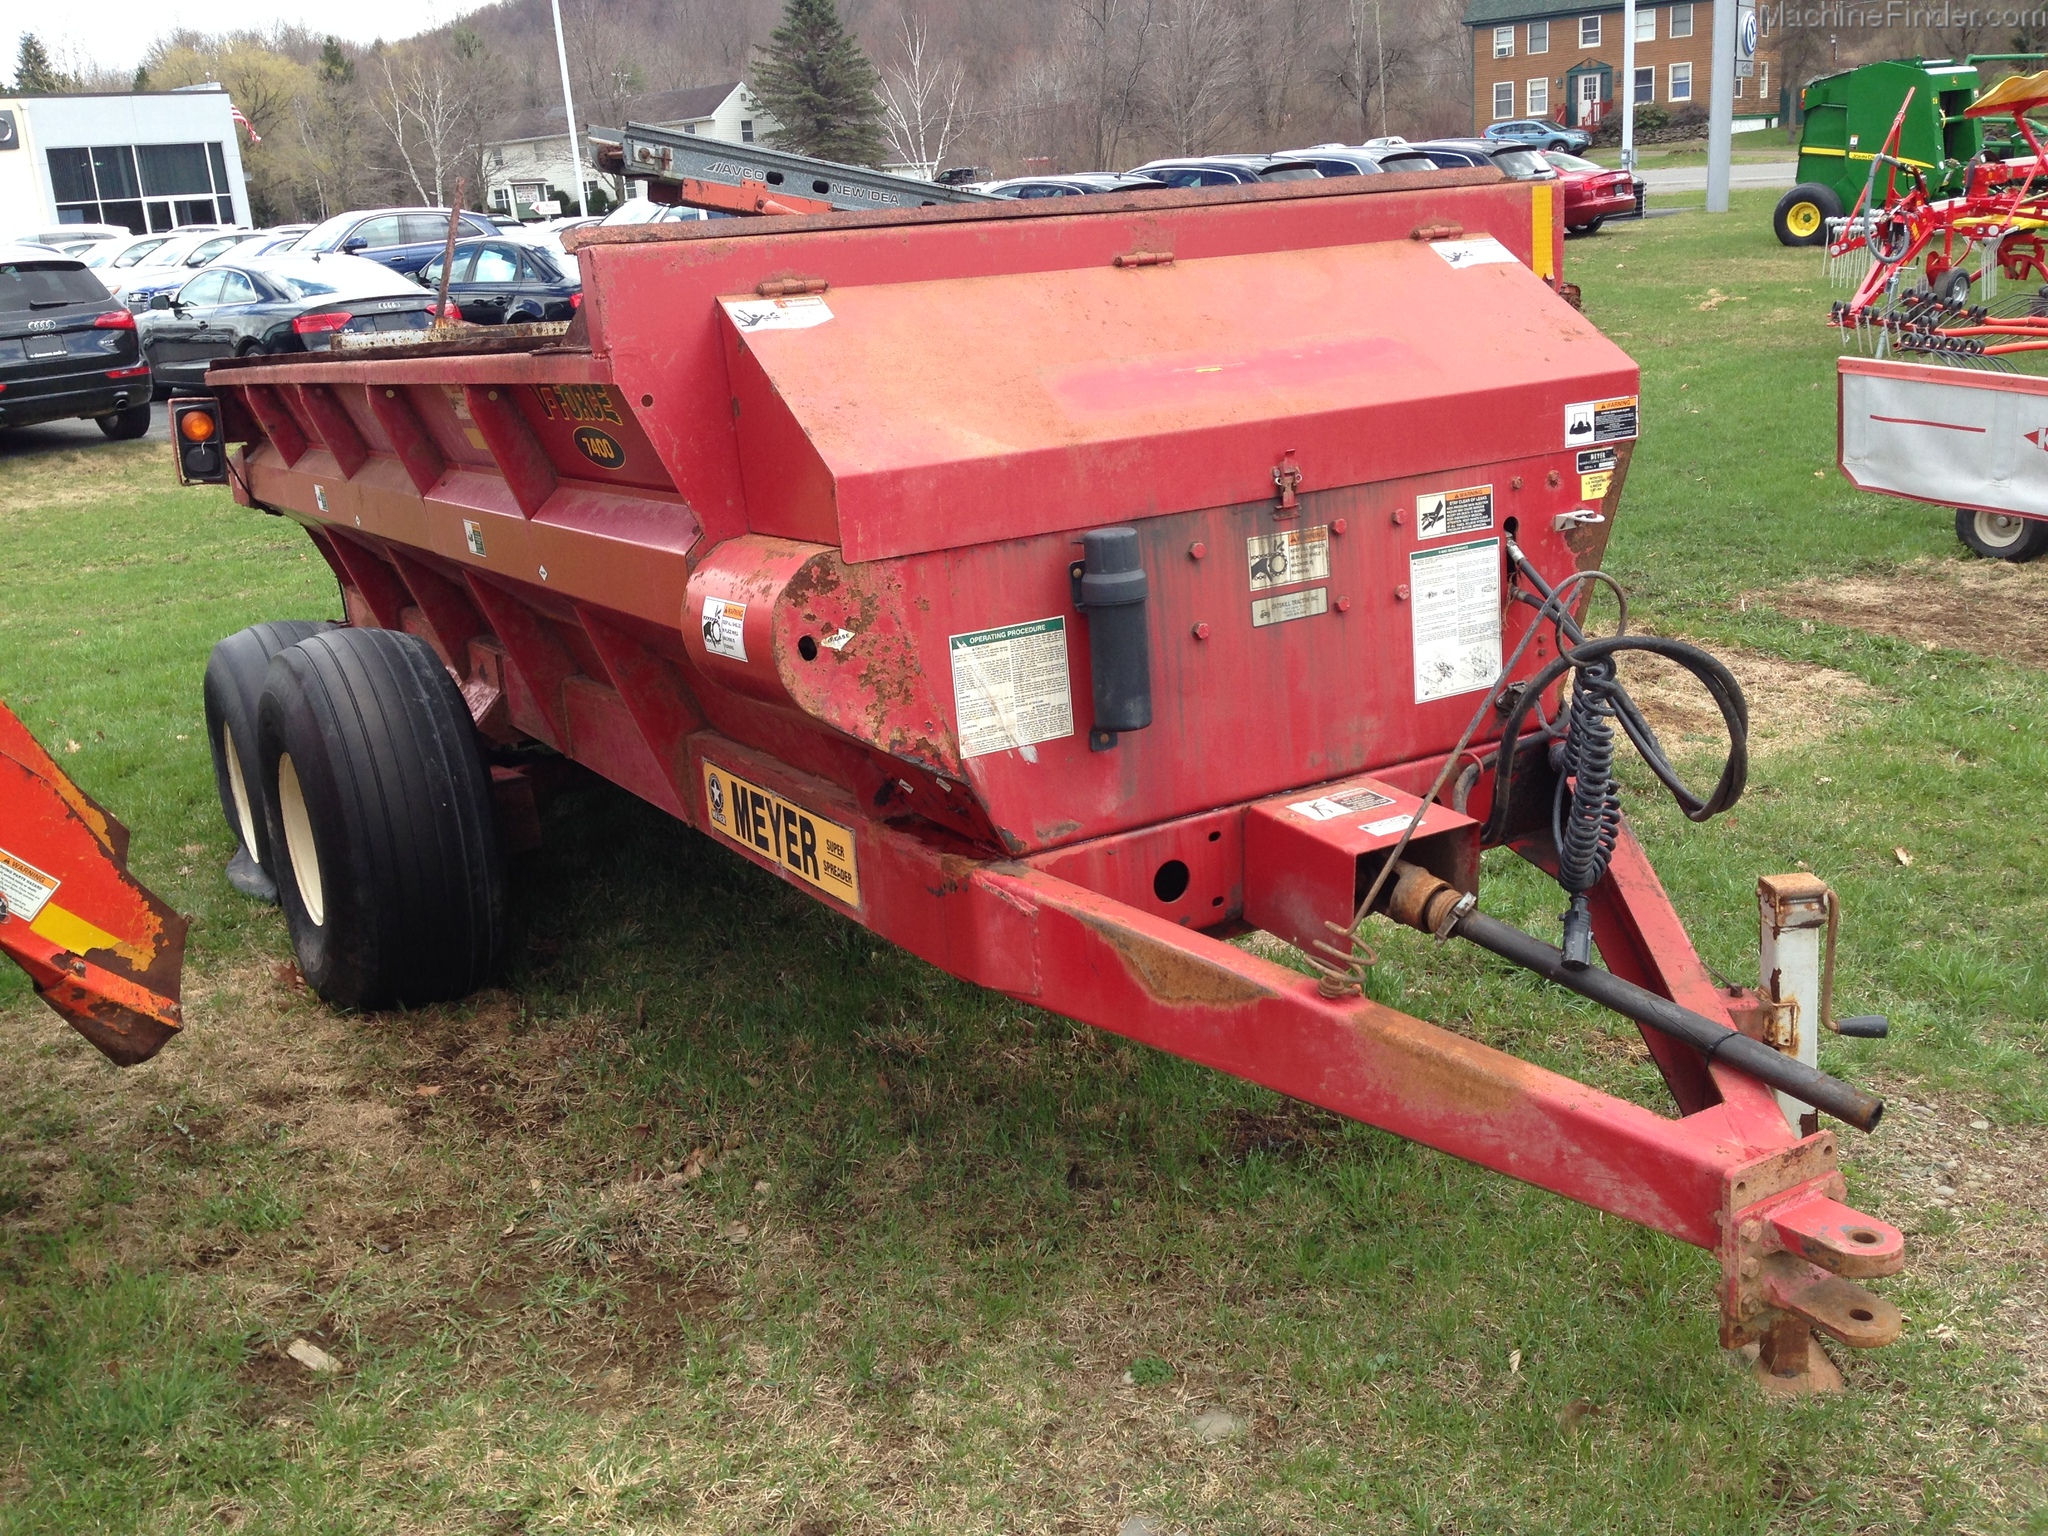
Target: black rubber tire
234,682
126,426
1590,227
1801,217
391,875
2015,540
1954,286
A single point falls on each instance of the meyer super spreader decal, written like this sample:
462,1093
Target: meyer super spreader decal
815,850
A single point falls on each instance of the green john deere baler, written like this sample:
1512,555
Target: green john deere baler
1848,117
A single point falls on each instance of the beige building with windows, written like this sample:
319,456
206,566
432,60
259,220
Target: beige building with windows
1532,60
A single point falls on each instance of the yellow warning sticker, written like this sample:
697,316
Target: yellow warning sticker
1593,487
813,849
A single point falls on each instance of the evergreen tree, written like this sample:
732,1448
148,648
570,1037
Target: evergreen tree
816,82
33,71
141,82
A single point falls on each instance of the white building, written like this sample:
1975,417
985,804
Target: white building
528,162
151,161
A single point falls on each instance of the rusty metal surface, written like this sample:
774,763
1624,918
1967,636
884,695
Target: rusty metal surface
98,947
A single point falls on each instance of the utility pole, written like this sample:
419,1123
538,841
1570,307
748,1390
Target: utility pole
1721,106
1628,84
1380,45
569,111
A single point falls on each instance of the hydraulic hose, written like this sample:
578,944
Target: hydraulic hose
1586,810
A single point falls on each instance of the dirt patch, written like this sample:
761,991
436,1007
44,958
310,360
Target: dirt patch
1792,704
1971,1195
1983,606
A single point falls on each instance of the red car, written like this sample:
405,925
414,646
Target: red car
1592,193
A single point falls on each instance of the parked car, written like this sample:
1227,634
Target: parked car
1517,162
112,255
171,264
1341,160
271,242
1074,184
505,282
403,239
1592,193
642,210
66,236
1224,170
1538,134
292,303
67,349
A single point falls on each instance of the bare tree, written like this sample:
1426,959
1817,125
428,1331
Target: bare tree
1195,73
922,101
423,109
1365,62
1273,38
1111,43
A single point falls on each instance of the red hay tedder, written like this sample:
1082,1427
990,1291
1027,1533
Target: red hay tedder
1055,592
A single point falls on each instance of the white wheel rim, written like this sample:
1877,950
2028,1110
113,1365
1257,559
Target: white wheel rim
2000,531
298,841
239,788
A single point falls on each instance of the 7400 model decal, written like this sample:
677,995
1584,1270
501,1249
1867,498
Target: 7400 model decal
813,849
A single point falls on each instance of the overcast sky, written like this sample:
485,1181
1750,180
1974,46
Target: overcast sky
115,33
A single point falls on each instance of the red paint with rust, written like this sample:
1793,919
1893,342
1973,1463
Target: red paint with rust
758,566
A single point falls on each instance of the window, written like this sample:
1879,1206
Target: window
1681,20
1503,99
1539,98
501,199
495,264
1681,82
375,234
1503,42
1739,82
1539,37
1646,85
1589,31
746,130
203,292
1646,24
236,289
421,228
142,187
1763,79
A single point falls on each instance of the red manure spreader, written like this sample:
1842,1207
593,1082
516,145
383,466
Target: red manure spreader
1057,592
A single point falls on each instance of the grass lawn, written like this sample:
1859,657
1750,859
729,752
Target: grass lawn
1762,146
915,1258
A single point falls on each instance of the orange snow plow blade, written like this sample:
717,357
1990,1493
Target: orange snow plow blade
99,948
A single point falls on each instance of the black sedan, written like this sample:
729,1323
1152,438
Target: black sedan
505,282
288,304
67,348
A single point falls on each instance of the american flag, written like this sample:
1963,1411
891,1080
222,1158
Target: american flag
235,112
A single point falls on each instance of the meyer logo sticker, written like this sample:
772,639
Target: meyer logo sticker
1600,421
600,447
1281,559
815,850
1440,513
725,628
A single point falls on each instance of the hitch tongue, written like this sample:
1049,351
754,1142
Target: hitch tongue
1421,900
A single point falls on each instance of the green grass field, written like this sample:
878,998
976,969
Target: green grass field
721,1216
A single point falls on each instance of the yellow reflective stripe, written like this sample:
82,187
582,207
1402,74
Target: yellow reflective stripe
70,931
1812,150
1542,234
1918,165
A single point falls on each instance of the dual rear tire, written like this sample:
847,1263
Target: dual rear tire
377,827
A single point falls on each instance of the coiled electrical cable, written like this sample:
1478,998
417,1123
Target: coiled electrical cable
1586,811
